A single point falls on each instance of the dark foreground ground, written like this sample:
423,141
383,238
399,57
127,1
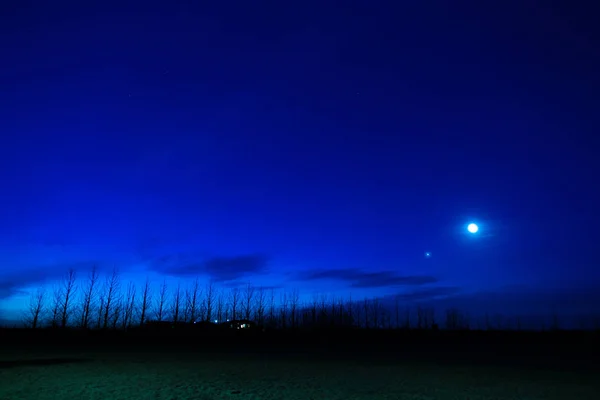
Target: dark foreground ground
328,365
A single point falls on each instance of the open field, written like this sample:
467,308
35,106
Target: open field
134,369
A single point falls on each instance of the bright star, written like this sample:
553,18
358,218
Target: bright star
473,228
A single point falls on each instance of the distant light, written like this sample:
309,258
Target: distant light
473,228
215,321
427,254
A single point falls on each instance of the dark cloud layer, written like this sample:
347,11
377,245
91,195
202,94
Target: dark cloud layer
12,282
364,279
8,289
427,294
218,268
534,308
529,300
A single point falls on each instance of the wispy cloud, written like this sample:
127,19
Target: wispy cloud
9,289
366,279
242,285
427,294
513,301
12,282
217,268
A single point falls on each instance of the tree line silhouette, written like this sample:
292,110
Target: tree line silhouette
111,303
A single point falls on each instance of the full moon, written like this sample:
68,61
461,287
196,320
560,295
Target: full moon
473,228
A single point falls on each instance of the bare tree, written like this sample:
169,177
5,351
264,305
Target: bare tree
248,300
294,301
284,310
386,318
341,310
397,310
487,322
128,306
272,319
376,312
431,318
192,299
68,293
358,311
117,310
146,301
36,308
334,318
220,305
426,318
176,306
161,306
349,310
499,321
234,301
100,309
260,306
465,321
324,316
112,286
367,310
209,297
452,319
57,296
89,298
186,306
421,318
314,311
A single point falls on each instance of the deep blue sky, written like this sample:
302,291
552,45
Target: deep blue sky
324,147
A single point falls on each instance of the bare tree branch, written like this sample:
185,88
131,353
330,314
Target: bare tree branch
193,297
146,302
234,300
209,300
89,298
57,295
260,306
294,300
36,308
128,306
283,310
112,286
176,305
272,318
248,301
68,292
100,309
161,306
220,305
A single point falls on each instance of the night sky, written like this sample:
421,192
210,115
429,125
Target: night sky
324,147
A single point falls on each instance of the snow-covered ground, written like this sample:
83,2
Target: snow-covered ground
187,376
